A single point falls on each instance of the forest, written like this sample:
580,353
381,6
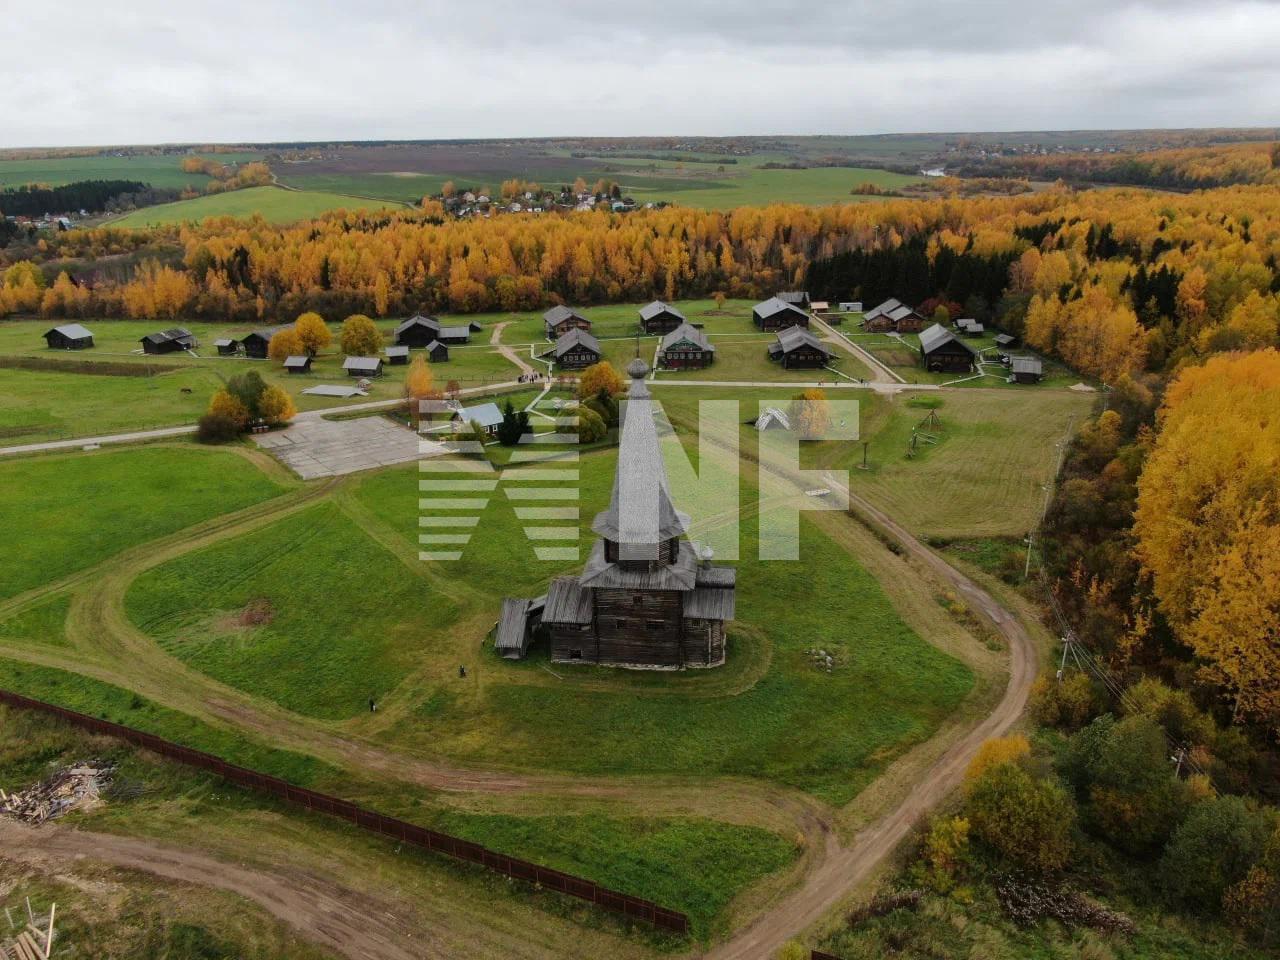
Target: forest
37,200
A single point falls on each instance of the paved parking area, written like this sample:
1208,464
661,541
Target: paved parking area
328,448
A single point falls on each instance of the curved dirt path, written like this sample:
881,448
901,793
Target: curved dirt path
879,372
343,920
846,868
495,339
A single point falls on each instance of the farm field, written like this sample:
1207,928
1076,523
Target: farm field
161,171
407,173
273,204
63,513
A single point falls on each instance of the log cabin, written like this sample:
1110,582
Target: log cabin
775,314
169,341
300,363
363,366
659,317
647,598
256,343
575,350
686,348
941,352
796,349
559,320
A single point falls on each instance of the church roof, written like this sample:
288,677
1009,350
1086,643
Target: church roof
640,514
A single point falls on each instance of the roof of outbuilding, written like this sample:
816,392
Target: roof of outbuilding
687,331
397,351
560,313
650,310
889,305
460,333
710,603
513,625
931,338
486,414
266,333
417,320
72,330
361,363
436,345
1026,365
223,342
1005,340
301,360
767,308
567,602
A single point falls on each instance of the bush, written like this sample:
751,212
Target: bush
1216,846
1135,798
993,753
1068,704
1028,821
590,427
216,428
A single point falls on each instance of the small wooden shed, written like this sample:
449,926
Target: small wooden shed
437,352
69,336
363,366
397,355
300,363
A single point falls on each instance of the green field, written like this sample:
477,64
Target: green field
162,172
315,656
273,204
67,512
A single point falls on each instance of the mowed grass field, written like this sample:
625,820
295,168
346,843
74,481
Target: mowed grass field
273,204
40,405
161,171
987,474
66,512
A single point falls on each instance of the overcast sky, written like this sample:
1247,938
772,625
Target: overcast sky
88,72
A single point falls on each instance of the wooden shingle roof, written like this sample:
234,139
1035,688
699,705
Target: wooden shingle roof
687,331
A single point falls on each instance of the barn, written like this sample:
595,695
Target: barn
169,341
1026,369
775,314
575,350
363,366
659,317
299,363
255,344
417,331
515,627
1006,341
559,320
397,355
647,598
686,348
437,352
941,352
797,349
227,347
69,336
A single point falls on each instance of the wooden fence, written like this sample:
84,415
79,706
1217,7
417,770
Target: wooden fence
634,908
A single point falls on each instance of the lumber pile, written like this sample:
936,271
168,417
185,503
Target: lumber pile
71,788
34,941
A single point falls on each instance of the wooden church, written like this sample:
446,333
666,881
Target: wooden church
646,598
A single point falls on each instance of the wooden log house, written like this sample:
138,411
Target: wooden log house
942,352
686,348
660,317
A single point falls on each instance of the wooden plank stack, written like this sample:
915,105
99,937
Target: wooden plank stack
69,789
34,941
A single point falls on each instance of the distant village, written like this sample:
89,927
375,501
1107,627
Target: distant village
533,199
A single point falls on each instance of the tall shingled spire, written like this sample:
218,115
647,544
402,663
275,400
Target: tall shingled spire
641,515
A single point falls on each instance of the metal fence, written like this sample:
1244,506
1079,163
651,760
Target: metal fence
633,908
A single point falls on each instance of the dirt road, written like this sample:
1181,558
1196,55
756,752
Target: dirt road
850,866
343,920
496,340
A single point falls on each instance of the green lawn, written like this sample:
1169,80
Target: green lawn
162,172
67,512
826,733
274,204
346,621
986,474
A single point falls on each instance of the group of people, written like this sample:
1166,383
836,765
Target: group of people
531,377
